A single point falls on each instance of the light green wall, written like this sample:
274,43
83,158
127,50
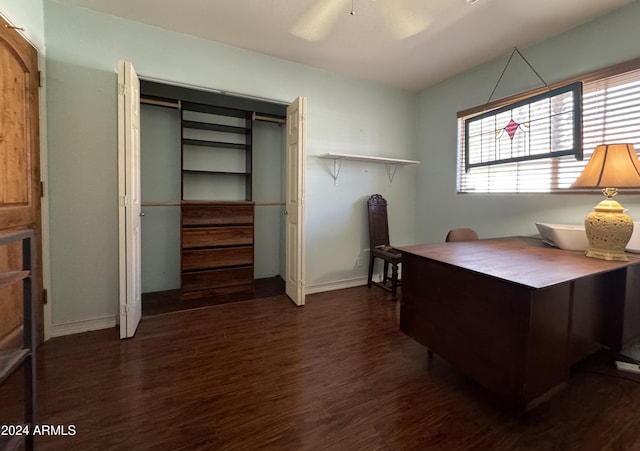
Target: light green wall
28,15
607,40
344,115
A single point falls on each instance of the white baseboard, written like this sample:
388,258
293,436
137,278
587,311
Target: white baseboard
339,285
77,327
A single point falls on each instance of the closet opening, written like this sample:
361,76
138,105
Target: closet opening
213,181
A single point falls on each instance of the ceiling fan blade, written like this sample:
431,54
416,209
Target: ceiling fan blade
317,22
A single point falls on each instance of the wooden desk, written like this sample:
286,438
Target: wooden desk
514,314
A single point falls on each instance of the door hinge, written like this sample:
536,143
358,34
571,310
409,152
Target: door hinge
40,79
124,309
122,89
45,296
124,201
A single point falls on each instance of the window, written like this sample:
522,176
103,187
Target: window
541,126
610,114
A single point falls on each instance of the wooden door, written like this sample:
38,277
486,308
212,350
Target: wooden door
296,156
19,172
130,210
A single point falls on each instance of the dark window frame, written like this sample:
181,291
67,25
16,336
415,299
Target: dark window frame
576,150
597,75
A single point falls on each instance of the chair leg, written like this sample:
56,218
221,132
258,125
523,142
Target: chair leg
386,272
394,282
369,279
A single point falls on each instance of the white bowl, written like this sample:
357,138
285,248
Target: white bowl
565,236
634,242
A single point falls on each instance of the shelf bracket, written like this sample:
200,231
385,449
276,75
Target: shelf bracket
337,165
391,171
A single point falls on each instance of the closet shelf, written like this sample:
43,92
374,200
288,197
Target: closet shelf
200,171
218,144
391,163
10,360
215,127
8,236
9,277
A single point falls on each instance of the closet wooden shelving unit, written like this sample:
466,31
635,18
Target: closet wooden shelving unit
12,359
216,236
218,137
217,248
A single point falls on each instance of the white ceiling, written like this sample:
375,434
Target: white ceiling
410,44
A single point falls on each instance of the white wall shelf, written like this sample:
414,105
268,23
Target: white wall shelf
390,163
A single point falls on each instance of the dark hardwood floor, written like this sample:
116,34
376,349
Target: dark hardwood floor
160,302
336,374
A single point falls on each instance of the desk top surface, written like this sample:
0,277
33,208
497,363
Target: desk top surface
525,261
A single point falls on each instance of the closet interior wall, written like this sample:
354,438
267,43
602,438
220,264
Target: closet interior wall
160,182
161,170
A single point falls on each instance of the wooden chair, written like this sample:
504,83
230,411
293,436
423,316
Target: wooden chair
461,234
379,246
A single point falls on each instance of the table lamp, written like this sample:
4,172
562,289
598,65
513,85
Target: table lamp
608,227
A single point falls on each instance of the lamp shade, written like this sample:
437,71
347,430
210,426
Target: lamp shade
611,165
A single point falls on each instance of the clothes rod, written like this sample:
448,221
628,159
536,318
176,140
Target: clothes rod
177,104
160,204
177,204
278,120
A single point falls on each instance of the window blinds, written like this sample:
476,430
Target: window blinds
610,114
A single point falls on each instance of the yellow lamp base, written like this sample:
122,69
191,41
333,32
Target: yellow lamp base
608,231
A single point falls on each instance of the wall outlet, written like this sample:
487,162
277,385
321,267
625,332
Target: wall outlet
360,260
